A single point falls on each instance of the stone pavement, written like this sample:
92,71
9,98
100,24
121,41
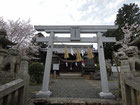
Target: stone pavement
75,88
65,90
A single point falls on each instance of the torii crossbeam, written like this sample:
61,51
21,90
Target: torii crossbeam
75,32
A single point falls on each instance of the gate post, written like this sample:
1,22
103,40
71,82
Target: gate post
104,81
45,91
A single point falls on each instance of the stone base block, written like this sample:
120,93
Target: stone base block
106,95
42,94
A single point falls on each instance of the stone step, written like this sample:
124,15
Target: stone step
70,74
70,77
75,101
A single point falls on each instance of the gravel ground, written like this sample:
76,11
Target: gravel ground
75,88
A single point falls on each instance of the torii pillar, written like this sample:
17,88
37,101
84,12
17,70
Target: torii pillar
104,81
46,78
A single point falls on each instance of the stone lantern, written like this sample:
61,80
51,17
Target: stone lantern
3,45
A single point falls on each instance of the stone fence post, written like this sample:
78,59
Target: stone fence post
125,70
23,74
124,67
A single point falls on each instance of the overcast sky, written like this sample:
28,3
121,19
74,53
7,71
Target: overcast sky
63,12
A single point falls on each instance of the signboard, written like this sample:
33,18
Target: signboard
55,66
114,69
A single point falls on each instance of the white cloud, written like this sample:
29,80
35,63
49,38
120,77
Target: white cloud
51,12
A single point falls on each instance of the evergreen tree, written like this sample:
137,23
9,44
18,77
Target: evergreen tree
40,55
126,15
129,14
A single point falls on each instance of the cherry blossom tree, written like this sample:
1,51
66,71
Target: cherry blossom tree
3,24
20,32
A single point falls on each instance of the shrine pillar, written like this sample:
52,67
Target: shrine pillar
103,73
46,78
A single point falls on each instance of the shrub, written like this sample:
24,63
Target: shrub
36,72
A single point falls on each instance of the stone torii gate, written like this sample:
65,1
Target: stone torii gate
75,38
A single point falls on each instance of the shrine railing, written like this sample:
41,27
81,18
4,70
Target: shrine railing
12,93
130,85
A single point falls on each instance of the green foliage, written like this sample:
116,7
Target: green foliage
36,72
40,54
126,14
109,48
